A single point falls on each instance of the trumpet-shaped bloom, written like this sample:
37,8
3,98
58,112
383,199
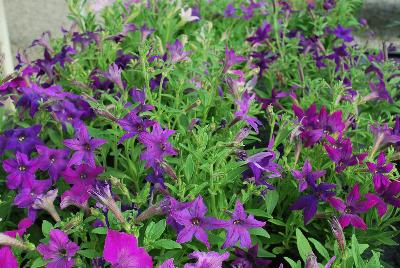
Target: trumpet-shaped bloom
21,170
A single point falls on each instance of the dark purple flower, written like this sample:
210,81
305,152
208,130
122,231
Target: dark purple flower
351,209
378,92
243,106
176,52
237,227
21,170
84,147
157,146
261,164
261,35
195,223
134,124
59,251
85,39
249,259
306,176
343,33
123,59
207,259
378,171
53,160
343,155
385,194
127,28
23,140
309,203
275,97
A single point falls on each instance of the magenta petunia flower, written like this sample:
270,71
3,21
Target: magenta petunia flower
195,223
167,264
157,146
59,251
122,251
21,170
306,176
23,140
237,227
351,209
384,195
7,258
207,259
53,160
243,106
378,170
82,174
84,147
134,124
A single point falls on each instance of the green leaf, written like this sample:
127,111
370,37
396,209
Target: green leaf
320,248
259,232
100,230
46,227
88,253
292,263
302,245
167,244
271,201
39,262
189,167
159,229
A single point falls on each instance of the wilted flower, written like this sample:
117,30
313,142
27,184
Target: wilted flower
337,231
59,251
207,259
114,75
311,261
122,251
46,202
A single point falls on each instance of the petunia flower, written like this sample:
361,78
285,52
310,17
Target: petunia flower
7,258
249,259
21,170
343,155
59,251
350,210
378,170
30,191
306,176
114,75
127,28
309,203
186,15
23,140
230,11
311,261
82,174
385,135
195,223
77,196
176,52
343,33
231,58
157,146
53,160
243,106
84,147
145,32
134,124
122,251
207,259
261,35
237,227
384,195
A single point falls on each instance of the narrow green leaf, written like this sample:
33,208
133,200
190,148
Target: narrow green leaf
167,244
46,227
302,245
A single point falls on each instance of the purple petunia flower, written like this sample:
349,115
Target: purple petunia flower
84,147
385,135
157,146
122,251
28,193
59,251
343,33
207,259
263,167
351,209
342,155
23,140
329,4
261,35
306,176
195,223
114,75
237,227
231,58
309,203
385,194
7,258
230,11
167,264
176,52
53,160
134,124
243,106
249,259
127,28
145,32
21,170
378,171
275,97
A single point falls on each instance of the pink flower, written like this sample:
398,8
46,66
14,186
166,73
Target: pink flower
122,251
7,259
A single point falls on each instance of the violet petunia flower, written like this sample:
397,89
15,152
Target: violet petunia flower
53,160
237,227
231,58
145,32
134,124
28,193
243,106
176,52
207,259
230,11
84,147
343,33
127,28
21,170
385,135
343,155
306,176
385,194
7,258
157,146
261,35
114,75
351,209
249,259
195,223
59,251
122,251
23,140
378,170
82,174
309,203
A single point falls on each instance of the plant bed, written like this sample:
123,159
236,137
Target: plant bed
201,134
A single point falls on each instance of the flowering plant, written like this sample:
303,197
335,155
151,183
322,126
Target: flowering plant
201,134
